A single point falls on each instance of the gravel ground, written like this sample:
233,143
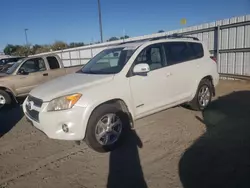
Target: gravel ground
174,148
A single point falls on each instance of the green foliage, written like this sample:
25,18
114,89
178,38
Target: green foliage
161,31
23,50
124,37
112,39
59,45
76,44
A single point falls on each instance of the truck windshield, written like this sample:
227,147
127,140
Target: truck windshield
14,67
109,61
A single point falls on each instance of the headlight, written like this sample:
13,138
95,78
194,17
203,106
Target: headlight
63,103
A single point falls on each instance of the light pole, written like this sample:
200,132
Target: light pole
26,39
100,19
26,36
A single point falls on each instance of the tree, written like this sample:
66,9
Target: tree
161,31
112,39
124,37
59,45
76,44
9,49
42,49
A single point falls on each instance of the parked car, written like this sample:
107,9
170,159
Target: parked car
7,62
27,73
120,85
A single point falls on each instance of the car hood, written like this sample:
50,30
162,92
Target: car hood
69,84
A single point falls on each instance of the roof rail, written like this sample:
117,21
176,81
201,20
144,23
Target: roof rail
174,36
133,41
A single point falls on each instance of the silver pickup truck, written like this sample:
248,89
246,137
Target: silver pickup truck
27,73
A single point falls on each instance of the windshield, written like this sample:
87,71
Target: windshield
14,67
8,60
109,61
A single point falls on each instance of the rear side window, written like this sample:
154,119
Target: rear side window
177,52
53,63
198,49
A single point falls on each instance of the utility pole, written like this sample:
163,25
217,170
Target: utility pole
100,19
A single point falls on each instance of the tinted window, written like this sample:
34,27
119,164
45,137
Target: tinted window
178,52
8,60
198,49
53,63
151,55
34,65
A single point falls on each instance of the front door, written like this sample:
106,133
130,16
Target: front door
32,73
149,91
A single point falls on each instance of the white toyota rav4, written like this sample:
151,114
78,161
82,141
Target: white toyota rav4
121,84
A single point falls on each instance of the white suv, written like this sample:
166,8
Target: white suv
121,84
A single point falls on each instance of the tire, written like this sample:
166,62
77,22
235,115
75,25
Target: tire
5,99
195,104
99,114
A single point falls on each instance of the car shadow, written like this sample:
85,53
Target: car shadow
9,117
124,164
221,156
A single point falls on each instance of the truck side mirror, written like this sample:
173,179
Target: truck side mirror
22,71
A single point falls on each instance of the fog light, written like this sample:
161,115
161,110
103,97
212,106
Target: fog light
65,128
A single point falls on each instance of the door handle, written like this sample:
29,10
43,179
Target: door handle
45,74
168,74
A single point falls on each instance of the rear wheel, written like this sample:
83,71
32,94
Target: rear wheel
106,128
203,95
5,99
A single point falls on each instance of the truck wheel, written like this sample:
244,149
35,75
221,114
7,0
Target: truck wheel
4,98
203,95
106,128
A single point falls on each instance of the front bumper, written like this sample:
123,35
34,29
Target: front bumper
51,123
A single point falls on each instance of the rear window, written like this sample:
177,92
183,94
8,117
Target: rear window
53,63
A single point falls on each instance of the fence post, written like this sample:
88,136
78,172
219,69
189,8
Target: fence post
70,59
217,43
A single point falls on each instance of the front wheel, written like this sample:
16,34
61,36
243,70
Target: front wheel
203,95
106,128
4,99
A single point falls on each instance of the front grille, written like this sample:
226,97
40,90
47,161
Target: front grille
37,102
32,110
33,114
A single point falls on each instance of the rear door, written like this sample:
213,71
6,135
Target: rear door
55,69
153,91
183,62
34,73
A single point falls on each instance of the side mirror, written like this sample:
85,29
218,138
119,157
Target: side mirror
22,71
142,68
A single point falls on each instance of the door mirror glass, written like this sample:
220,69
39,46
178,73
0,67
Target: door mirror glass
141,68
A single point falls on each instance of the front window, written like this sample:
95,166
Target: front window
109,61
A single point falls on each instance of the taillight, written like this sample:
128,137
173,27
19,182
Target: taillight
213,58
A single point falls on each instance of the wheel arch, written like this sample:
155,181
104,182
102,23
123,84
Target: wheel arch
117,101
120,103
208,77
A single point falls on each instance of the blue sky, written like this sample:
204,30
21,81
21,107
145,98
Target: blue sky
77,20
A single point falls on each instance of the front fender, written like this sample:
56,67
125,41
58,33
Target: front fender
8,89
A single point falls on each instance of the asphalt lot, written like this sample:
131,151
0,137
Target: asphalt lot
170,149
